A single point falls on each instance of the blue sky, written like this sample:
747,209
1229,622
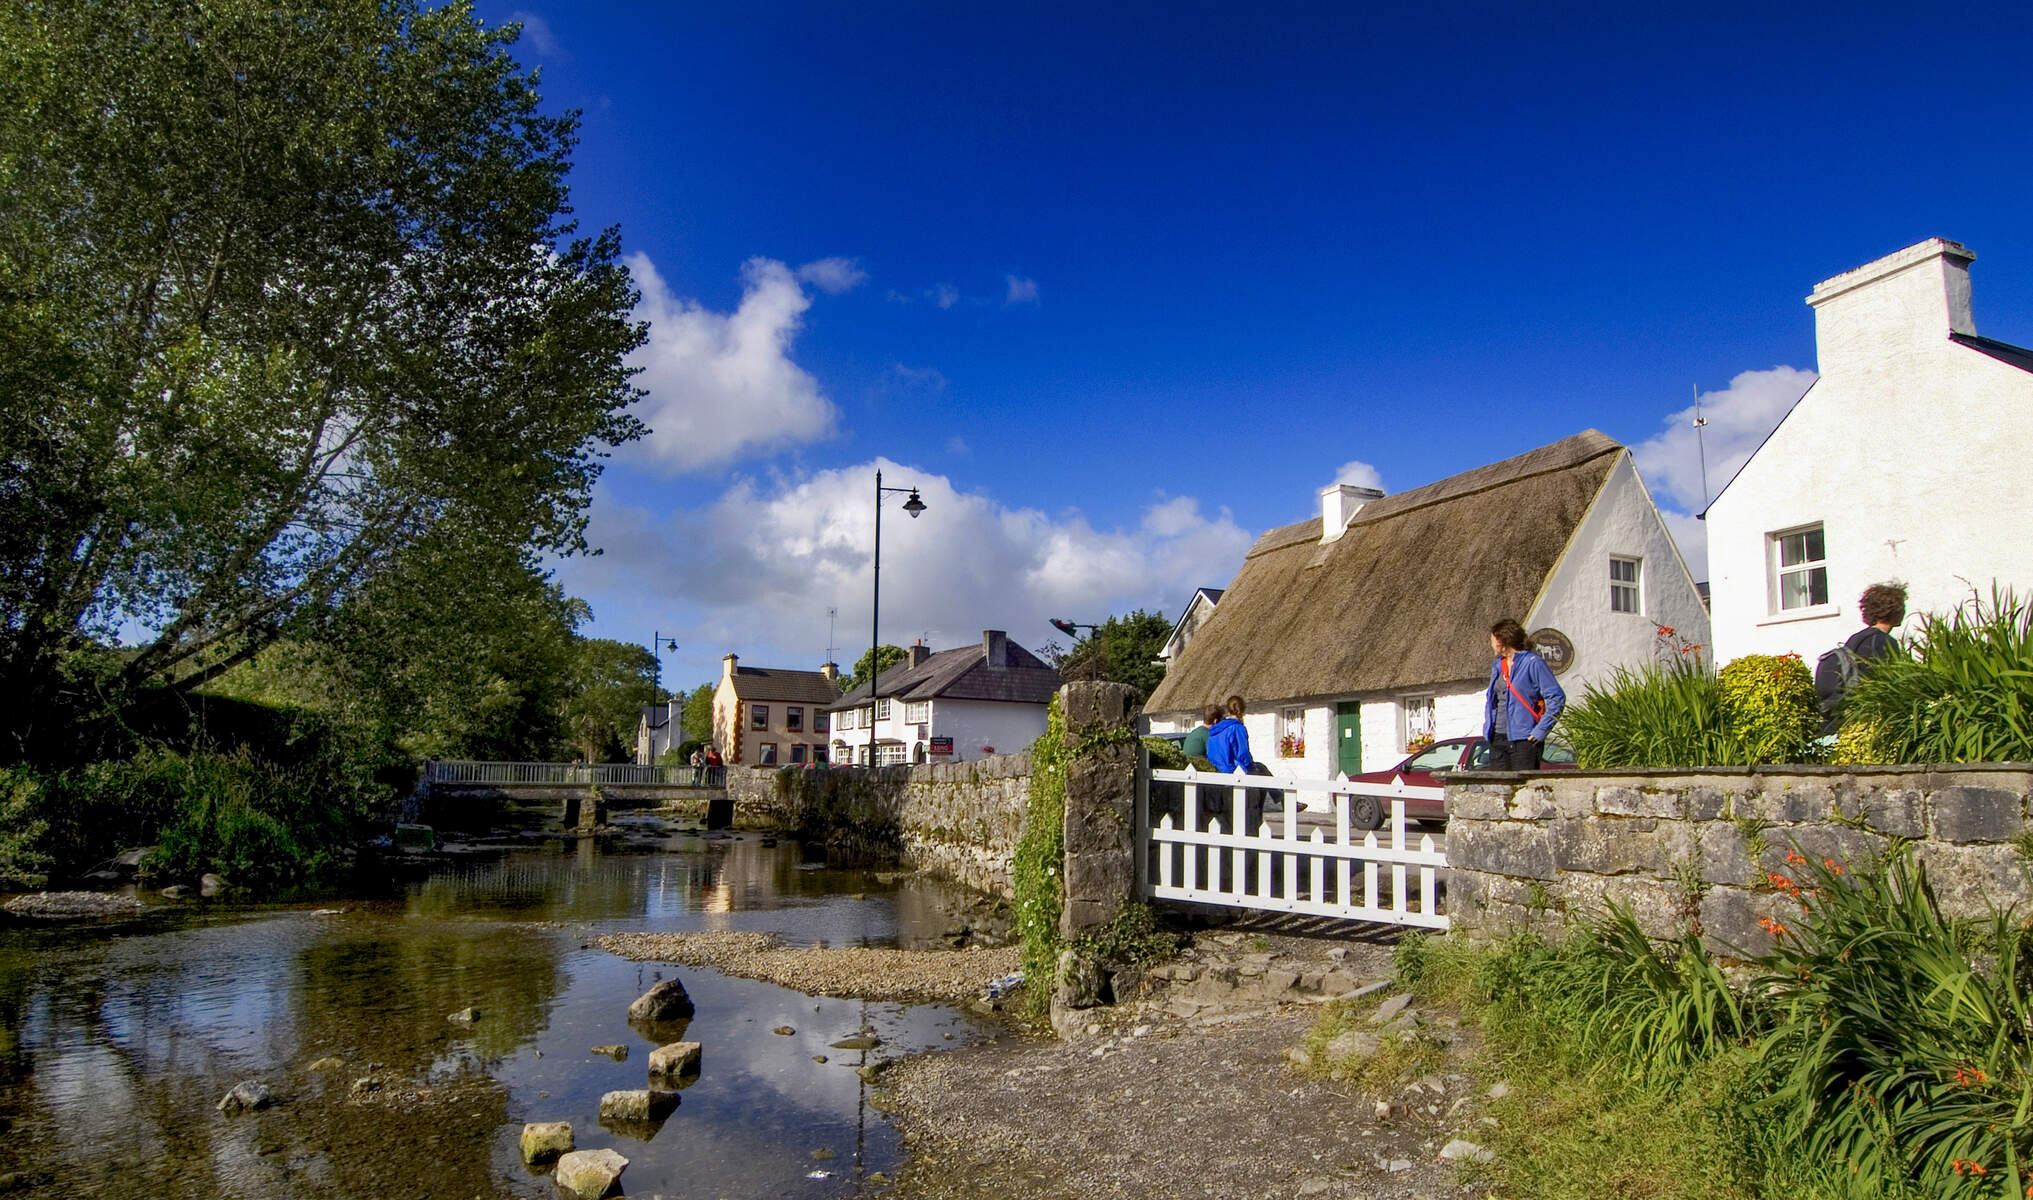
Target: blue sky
1122,286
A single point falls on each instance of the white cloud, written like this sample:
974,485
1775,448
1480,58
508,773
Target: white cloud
538,31
945,295
758,568
1740,417
1021,290
919,380
1360,474
722,385
833,275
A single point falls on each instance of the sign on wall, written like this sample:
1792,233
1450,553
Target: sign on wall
942,746
1553,646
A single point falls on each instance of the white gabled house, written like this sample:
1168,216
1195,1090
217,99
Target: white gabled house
1353,633
960,704
1198,609
1906,461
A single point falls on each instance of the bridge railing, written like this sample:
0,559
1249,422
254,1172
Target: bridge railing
456,771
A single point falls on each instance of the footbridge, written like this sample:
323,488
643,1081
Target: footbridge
579,792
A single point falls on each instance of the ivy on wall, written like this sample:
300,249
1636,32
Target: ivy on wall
1038,872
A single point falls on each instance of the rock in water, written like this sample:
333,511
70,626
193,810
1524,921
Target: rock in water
783,1031
246,1094
860,1041
210,885
639,1105
465,1016
666,1001
327,1063
678,1058
617,1053
543,1141
589,1174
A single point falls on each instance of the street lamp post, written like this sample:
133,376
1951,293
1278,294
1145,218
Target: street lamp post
913,506
656,687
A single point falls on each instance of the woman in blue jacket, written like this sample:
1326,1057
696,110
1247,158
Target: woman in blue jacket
1522,703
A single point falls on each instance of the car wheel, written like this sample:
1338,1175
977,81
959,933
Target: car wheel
1365,813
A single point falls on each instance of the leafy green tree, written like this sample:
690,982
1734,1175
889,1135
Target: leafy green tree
1122,650
886,654
287,290
696,721
611,681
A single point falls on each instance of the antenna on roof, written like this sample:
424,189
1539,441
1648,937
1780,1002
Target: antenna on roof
1701,423
831,612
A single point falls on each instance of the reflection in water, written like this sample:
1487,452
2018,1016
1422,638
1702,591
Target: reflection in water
116,1045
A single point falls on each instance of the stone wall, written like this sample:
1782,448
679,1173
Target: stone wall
1543,850
959,820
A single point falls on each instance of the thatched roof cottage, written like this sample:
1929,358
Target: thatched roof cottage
1356,632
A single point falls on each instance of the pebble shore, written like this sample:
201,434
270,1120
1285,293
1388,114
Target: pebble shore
907,976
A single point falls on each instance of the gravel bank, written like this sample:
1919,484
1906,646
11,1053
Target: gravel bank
1158,1105
909,976
66,906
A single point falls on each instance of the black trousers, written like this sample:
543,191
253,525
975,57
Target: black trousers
1505,755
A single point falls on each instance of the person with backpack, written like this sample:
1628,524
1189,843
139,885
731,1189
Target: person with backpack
1883,606
1522,702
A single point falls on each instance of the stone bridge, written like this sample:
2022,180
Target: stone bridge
579,793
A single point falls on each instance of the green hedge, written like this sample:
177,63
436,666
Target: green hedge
1963,694
1761,709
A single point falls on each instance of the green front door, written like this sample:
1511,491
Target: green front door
1348,737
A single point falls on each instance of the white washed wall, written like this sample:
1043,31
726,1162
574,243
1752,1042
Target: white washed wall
1622,522
1912,452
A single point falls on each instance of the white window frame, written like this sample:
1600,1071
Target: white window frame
1777,574
1292,723
1632,590
882,709
918,712
1418,716
891,754
867,716
844,720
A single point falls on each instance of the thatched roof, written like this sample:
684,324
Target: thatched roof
1405,597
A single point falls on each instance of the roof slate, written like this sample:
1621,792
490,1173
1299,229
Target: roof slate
793,687
964,674
1403,597
2004,352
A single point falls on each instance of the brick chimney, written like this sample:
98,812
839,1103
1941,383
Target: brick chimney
1885,310
919,653
831,671
727,664
995,648
1339,502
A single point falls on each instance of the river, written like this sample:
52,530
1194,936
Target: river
117,1041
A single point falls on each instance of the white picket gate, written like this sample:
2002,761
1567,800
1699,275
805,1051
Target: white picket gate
1318,866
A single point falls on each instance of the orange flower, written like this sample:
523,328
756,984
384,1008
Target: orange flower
1772,927
1793,856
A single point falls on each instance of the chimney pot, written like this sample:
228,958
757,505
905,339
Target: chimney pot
919,652
831,671
727,665
995,648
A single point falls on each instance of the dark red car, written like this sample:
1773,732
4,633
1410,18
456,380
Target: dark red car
1453,754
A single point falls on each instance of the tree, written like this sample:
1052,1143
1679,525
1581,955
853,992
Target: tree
696,725
1122,649
887,655
611,681
286,291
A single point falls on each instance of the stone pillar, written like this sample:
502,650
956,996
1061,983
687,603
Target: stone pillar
1100,806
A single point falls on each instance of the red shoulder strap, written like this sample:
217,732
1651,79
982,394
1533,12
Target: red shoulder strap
1537,711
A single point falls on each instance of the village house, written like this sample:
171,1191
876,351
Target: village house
969,702
1906,461
655,731
770,716
1197,610
1358,634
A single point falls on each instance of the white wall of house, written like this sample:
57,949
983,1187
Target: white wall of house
1910,453
974,725
1623,524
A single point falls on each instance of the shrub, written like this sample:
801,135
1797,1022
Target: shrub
1037,872
1770,706
1165,754
1963,694
1669,716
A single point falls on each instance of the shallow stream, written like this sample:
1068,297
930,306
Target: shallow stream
117,1041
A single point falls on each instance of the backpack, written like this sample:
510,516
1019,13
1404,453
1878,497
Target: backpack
1835,672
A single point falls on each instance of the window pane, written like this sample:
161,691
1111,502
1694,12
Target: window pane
1817,585
794,719
1814,544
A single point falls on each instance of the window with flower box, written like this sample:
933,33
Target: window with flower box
1292,732
1418,722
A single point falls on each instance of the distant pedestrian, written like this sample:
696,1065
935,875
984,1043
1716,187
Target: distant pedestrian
698,767
1228,740
1883,606
1522,702
1195,744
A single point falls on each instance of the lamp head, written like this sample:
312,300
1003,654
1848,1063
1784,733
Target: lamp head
673,646
1065,627
913,505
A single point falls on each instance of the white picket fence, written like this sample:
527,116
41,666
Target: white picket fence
1319,866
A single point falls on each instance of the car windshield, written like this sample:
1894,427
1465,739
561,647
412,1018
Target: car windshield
1556,753
1443,757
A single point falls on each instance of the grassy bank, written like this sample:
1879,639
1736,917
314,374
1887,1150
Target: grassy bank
1881,1050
